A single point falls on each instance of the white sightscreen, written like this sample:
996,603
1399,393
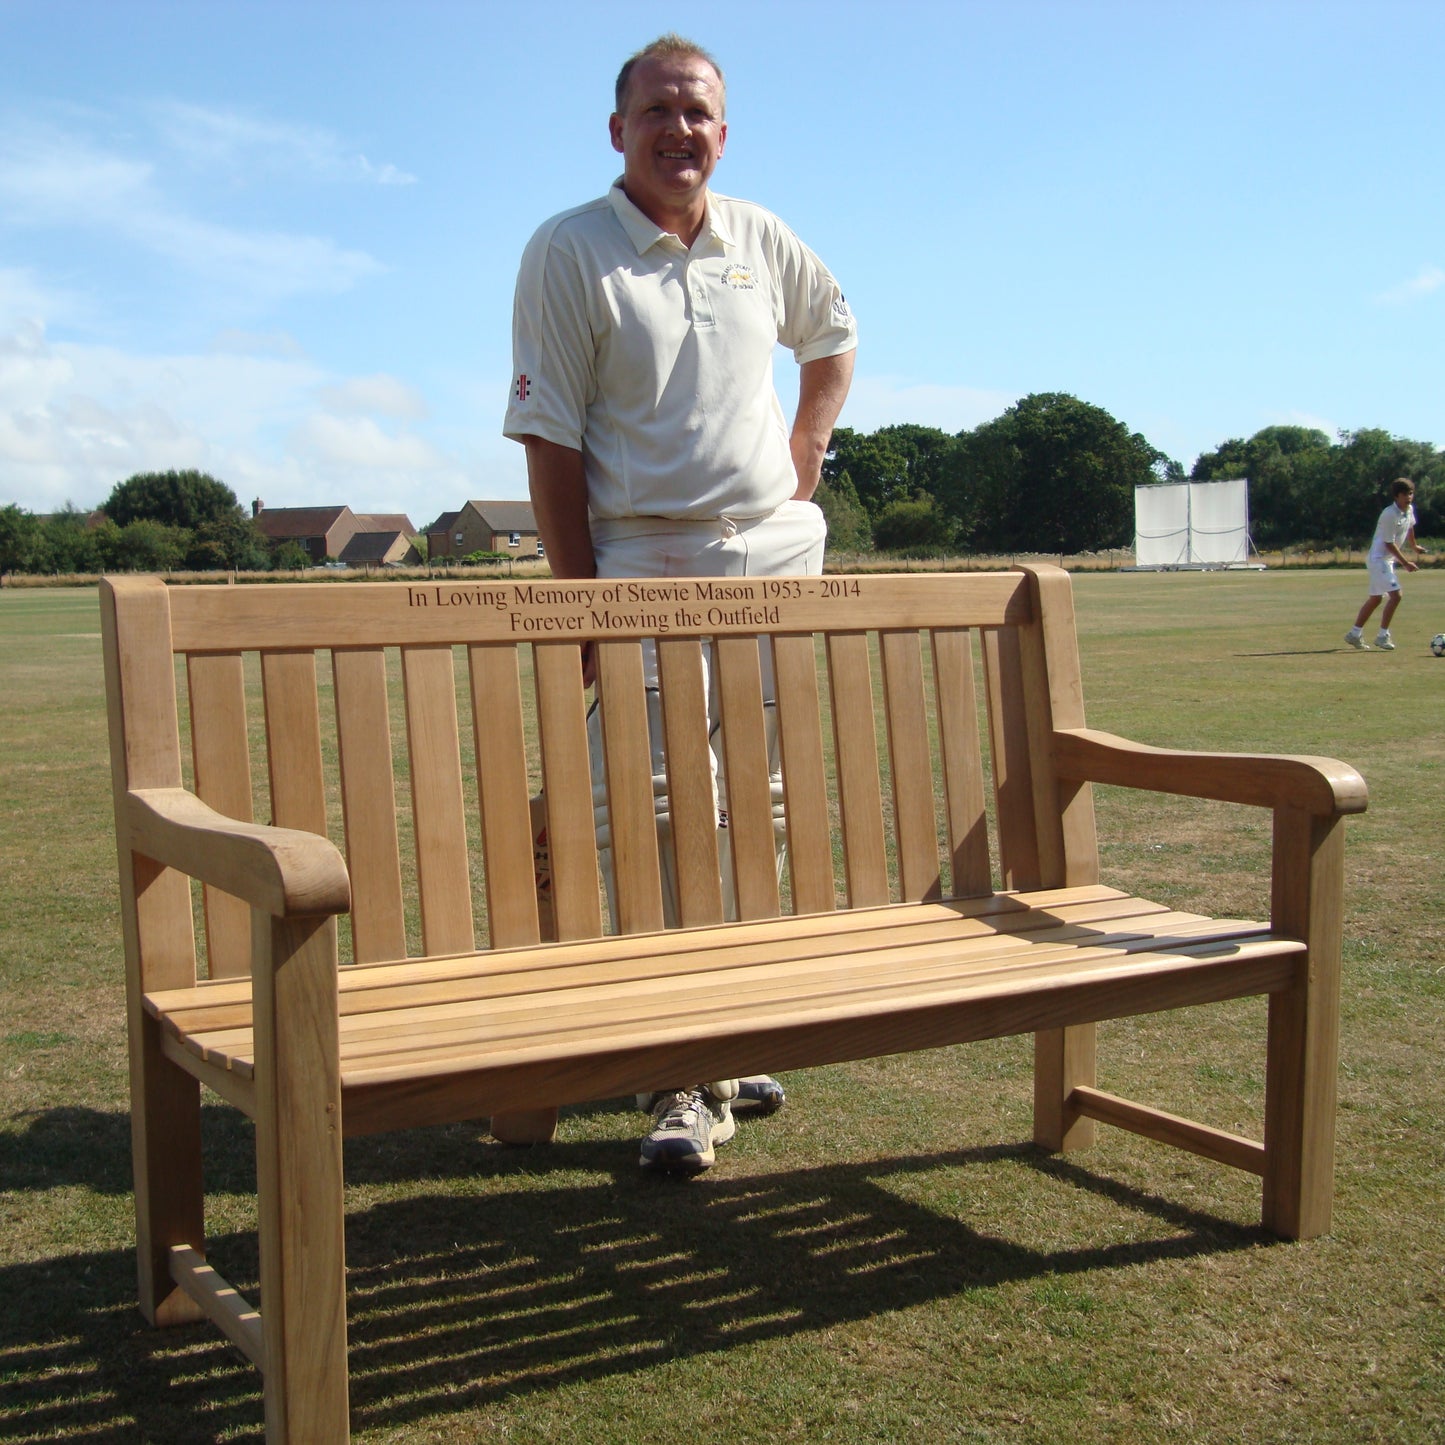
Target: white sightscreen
1199,524
1161,525
1219,522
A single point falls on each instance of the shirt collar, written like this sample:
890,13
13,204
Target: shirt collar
644,234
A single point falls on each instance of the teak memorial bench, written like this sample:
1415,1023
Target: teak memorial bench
918,929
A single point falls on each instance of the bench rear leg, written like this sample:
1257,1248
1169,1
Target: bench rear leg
165,1134
525,1126
1064,1059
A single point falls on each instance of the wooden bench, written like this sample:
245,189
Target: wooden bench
942,884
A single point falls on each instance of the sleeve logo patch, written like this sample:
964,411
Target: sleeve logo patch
522,387
841,312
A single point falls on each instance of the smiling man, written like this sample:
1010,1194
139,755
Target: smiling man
643,337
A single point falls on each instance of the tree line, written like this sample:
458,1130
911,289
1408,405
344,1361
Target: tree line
1056,474
151,522
1051,474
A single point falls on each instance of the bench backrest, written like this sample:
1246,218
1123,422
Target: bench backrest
293,697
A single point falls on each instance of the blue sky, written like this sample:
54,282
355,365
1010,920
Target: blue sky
277,242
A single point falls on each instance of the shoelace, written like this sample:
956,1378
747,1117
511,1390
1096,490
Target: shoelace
671,1110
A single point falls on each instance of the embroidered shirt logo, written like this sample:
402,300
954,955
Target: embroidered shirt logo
841,312
738,276
523,386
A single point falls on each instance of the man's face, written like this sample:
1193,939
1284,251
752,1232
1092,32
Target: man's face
671,133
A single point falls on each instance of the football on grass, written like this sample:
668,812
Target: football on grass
1437,644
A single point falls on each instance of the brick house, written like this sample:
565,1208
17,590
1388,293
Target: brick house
485,526
331,533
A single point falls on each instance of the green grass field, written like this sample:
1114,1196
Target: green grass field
886,1259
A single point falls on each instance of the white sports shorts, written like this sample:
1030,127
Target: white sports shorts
786,543
1382,576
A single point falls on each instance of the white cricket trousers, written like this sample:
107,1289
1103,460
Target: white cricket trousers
787,542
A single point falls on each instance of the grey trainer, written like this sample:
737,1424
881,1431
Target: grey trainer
1356,641
687,1124
759,1094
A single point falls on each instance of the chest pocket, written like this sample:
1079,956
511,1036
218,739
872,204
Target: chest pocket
738,296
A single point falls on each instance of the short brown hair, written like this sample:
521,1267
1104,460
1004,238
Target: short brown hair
1400,485
666,47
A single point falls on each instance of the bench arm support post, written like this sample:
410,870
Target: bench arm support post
299,1177
1304,1027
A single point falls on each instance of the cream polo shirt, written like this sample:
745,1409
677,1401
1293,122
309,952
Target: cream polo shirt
656,362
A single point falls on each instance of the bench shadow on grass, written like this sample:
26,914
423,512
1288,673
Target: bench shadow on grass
544,1268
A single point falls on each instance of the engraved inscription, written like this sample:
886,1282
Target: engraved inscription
633,607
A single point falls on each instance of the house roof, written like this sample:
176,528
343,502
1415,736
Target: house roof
374,547
385,522
444,523
506,516
279,523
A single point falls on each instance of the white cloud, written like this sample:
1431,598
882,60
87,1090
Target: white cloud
383,395
361,442
49,178
221,137
76,419
1428,280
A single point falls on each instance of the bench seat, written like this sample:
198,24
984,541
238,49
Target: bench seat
487,1032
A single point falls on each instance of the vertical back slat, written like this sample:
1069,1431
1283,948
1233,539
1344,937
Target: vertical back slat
692,805
860,798
1043,782
502,784
631,814
1009,745
961,761
911,763
368,804
293,741
221,752
805,790
567,789
749,789
434,753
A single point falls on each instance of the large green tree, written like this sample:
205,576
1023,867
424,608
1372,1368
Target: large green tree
849,529
187,499
20,540
1052,474
892,464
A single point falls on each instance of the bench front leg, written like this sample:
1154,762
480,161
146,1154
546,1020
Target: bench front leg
1064,1060
1304,1027
299,1178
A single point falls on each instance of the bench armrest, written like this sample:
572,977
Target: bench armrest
284,871
1322,787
